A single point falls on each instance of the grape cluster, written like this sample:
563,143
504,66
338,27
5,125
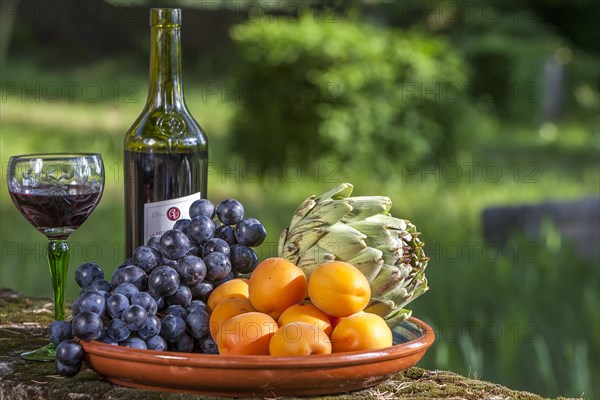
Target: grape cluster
157,299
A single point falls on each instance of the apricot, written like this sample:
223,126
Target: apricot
361,331
276,284
306,312
237,287
299,339
246,334
339,289
228,309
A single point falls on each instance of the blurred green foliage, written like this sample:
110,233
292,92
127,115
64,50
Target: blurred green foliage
538,310
506,45
356,92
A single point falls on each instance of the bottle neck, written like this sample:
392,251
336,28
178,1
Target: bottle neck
165,90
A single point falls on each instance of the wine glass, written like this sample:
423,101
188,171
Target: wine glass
55,193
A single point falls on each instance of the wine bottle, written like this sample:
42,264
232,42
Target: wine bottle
166,151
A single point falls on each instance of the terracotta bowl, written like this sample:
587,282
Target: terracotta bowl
264,376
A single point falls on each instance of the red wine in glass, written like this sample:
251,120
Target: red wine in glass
56,193
56,214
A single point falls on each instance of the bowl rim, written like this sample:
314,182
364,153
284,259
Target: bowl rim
263,361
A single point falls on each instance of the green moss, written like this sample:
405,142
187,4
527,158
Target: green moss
17,309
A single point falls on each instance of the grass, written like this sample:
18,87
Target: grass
527,317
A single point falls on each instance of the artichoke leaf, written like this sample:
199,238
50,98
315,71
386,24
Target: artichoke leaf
306,239
330,211
367,206
282,239
314,257
343,241
368,261
303,210
380,307
341,191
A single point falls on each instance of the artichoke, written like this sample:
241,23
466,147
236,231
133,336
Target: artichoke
360,231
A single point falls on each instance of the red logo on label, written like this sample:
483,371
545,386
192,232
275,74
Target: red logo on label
173,213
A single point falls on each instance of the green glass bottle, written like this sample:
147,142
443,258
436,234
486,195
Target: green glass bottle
166,151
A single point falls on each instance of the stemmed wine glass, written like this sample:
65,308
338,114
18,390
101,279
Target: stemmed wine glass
55,193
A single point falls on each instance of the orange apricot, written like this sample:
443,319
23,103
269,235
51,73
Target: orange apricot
339,289
227,309
361,331
237,287
246,334
299,339
306,312
276,284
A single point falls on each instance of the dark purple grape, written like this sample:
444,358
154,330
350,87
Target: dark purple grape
182,225
75,308
153,242
134,317
172,328
101,284
201,290
201,229
161,304
130,274
105,294
243,259
191,270
230,211
182,297
125,263
250,232
151,329
146,301
217,265
87,326
93,301
215,245
117,330
156,343
176,310
196,305
167,262
226,233
202,207
87,273
126,289
59,331
147,258
195,251
104,338
66,370
208,345
185,344
221,281
163,281
198,323
116,304
174,244
135,343
69,352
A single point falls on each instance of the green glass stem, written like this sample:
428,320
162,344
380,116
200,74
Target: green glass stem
58,261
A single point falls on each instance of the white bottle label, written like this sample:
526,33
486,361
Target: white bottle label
160,216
